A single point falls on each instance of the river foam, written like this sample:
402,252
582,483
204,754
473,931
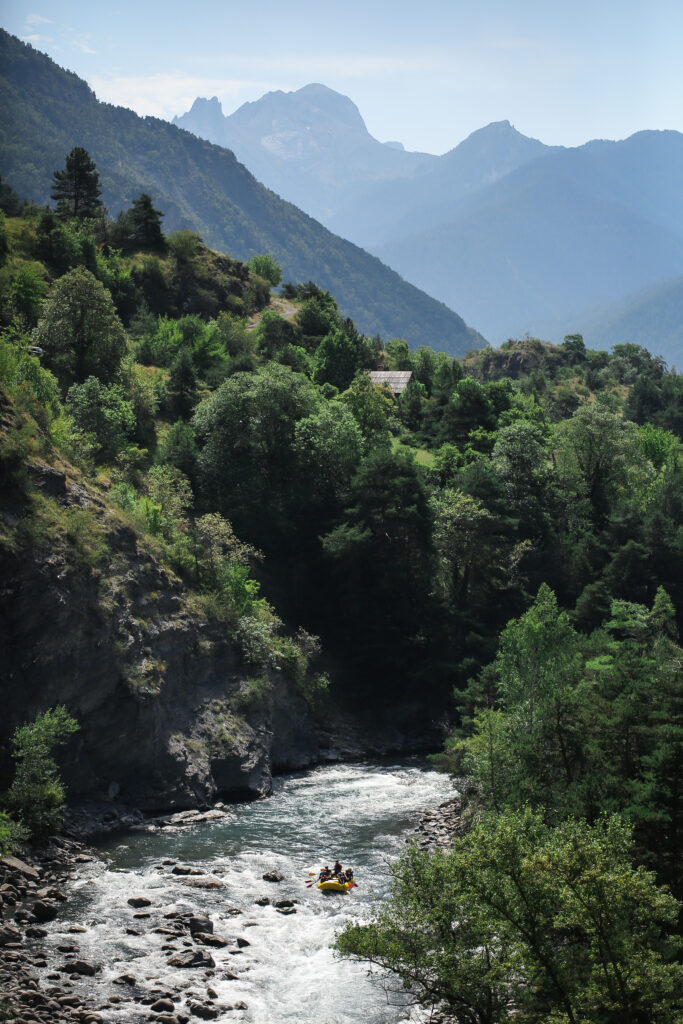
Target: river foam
287,973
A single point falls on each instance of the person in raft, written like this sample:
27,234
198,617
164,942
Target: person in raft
338,870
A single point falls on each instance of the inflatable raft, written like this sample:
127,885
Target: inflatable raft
334,885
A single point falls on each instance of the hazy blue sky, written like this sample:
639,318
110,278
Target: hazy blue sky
424,72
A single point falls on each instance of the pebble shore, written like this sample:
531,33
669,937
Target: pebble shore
440,827
31,891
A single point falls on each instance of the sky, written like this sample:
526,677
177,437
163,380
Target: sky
425,73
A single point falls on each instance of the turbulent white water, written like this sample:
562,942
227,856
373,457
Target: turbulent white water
288,973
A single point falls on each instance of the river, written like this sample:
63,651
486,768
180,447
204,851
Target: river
358,812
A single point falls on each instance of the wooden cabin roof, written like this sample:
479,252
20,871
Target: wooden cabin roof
395,380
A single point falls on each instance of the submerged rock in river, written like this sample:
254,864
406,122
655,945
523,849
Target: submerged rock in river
192,958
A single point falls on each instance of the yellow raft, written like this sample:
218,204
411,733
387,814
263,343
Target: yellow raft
334,885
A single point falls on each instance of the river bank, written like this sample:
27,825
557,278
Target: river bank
151,961
32,890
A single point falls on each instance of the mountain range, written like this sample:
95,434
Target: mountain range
311,146
45,111
514,234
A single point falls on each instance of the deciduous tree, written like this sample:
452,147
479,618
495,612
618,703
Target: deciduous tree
80,330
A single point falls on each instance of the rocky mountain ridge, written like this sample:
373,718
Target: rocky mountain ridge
311,146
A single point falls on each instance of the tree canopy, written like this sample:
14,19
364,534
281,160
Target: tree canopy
76,188
80,329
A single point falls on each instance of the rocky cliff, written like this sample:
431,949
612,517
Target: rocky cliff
90,618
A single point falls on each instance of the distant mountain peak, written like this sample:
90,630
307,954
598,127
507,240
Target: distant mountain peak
201,103
498,130
498,143
313,103
205,117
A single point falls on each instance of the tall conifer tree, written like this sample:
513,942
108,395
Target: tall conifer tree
76,189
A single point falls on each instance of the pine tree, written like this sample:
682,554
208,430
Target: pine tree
76,189
182,385
147,224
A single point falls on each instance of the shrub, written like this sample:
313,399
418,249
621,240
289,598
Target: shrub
256,639
12,834
266,267
102,410
37,794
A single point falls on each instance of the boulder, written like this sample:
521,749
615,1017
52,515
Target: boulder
79,967
205,882
44,910
273,876
192,958
14,864
125,979
162,1006
204,1010
208,939
200,923
139,901
9,934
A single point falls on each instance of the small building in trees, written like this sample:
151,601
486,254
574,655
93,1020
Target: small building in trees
395,380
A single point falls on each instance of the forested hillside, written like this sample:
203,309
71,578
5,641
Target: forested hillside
203,490
45,111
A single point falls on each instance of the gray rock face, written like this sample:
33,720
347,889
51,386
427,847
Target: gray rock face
153,688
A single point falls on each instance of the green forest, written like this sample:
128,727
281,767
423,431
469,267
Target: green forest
499,546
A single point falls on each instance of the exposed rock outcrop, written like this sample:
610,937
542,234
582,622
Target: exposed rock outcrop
91,619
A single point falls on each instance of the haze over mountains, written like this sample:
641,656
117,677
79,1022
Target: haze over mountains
311,146
46,111
515,235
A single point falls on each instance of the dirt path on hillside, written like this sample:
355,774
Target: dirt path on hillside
283,307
